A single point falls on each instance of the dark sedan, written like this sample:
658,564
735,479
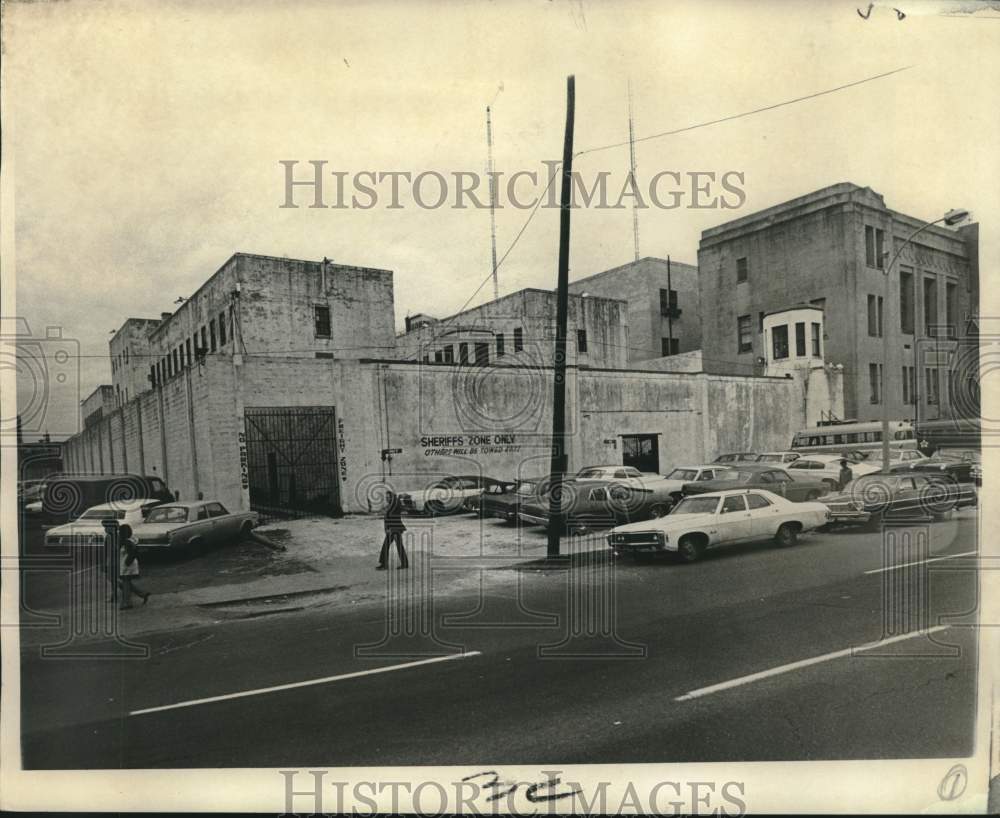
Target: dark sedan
877,497
760,476
506,505
590,505
962,466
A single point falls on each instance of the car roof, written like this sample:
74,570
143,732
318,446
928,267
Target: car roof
186,503
125,505
734,492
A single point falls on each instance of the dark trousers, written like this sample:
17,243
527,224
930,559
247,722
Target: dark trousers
390,537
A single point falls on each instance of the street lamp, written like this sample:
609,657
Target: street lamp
952,217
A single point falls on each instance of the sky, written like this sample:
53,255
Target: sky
143,141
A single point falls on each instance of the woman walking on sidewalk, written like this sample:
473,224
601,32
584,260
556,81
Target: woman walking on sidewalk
128,568
394,529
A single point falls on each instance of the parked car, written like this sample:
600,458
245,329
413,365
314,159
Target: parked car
30,491
192,525
737,457
762,476
826,467
447,495
88,528
778,457
590,505
475,503
722,518
613,472
507,505
67,496
690,474
963,465
877,497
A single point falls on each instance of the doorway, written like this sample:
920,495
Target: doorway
642,452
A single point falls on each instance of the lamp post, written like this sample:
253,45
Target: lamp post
952,217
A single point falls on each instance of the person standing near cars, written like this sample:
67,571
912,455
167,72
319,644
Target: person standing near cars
394,528
846,475
128,568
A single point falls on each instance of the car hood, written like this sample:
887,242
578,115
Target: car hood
667,524
86,527
153,529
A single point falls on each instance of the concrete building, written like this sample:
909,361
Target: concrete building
520,329
131,356
664,312
829,249
99,403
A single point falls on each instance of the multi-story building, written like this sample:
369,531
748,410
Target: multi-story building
830,249
98,404
131,357
664,315
520,328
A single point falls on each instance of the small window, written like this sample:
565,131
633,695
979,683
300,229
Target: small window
760,321
668,301
482,353
463,353
216,510
322,317
500,344
757,501
800,339
742,270
779,342
201,514
222,328
518,339
816,349
449,354
669,346
438,356
620,474
187,351
734,503
744,338
581,340
211,334
875,382
152,375
204,340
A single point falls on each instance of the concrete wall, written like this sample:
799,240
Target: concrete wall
130,358
681,362
639,283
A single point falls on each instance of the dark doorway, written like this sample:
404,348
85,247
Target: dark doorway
292,460
641,451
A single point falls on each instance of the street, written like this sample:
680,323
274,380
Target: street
744,656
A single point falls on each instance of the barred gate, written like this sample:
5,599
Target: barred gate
292,461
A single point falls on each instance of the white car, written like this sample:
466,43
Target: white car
618,473
704,521
826,467
87,528
448,494
676,478
778,457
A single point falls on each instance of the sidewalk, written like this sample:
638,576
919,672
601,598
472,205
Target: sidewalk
327,562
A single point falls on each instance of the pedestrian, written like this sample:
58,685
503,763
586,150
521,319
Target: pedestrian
394,528
109,565
846,475
128,568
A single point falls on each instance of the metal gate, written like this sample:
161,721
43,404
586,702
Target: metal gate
292,460
641,451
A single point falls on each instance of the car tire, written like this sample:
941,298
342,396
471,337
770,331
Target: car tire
434,508
811,496
942,516
660,510
690,549
831,485
787,535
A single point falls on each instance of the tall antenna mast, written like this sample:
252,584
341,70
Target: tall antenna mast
493,201
631,161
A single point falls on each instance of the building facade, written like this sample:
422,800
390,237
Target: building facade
664,312
829,249
98,404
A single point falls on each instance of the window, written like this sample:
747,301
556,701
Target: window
438,356
152,375
800,339
449,354
463,353
734,503
518,339
322,317
211,334
742,269
500,344
817,350
204,340
951,309
930,307
222,328
912,377
906,302
874,242
872,317
951,387
933,384
779,342
482,353
668,301
744,340
670,346
875,382
760,321
216,510
174,356
581,340
187,350
906,385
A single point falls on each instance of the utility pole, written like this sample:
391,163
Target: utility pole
670,313
559,463
493,200
631,162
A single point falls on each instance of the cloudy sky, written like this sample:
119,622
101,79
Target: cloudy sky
144,139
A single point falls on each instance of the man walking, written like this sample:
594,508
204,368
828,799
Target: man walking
846,475
394,529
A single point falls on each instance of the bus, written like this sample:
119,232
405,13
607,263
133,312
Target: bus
853,437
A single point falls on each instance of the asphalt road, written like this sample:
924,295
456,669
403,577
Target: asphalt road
744,656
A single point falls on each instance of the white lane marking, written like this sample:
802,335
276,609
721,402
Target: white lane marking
920,562
308,683
815,660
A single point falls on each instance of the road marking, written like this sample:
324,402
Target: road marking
308,683
815,660
920,562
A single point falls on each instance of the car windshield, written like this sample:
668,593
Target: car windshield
682,474
770,458
526,487
589,474
168,514
741,476
696,505
869,482
102,514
